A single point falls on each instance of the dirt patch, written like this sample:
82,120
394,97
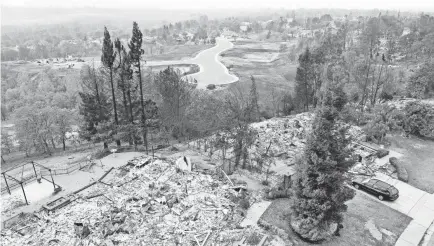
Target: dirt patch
373,230
417,158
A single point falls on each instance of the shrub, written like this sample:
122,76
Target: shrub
276,193
400,169
101,154
419,119
421,83
386,96
244,203
382,153
211,86
375,131
266,114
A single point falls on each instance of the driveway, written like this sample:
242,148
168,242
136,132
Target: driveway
417,204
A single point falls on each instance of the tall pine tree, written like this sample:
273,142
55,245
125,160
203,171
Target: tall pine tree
303,79
123,72
319,189
95,105
108,58
136,53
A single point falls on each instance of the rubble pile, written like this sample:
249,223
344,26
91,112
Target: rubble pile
288,135
161,205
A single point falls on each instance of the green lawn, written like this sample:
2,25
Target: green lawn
178,52
418,158
360,210
278,75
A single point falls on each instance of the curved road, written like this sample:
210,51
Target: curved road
212,71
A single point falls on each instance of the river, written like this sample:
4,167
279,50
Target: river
212,71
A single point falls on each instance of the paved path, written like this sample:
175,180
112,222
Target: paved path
417,204
254,213
429,237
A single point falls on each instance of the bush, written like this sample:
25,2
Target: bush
382,153
211,86
348,114
419,119
386,96
376,131
400,169
276,193
244,203
266,114
101,154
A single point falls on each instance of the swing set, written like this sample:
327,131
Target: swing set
26,179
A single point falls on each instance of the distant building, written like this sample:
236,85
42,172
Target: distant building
264,24
244,28
406,31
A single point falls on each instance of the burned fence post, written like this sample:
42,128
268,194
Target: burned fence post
7,185
54,185
34,169
24,193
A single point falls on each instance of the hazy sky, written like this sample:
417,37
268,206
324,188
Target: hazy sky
419,5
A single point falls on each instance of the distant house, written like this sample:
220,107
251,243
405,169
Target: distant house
264,24
228,33
406,31
331,26
148,39
244,28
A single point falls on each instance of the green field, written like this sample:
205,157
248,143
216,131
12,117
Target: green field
278,75
178,52
418,159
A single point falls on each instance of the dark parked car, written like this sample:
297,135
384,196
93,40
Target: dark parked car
379,188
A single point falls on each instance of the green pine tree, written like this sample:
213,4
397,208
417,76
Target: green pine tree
108,58
95,106
95,110
319,186
135,54
303,79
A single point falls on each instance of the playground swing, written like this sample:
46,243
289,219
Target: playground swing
23,181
